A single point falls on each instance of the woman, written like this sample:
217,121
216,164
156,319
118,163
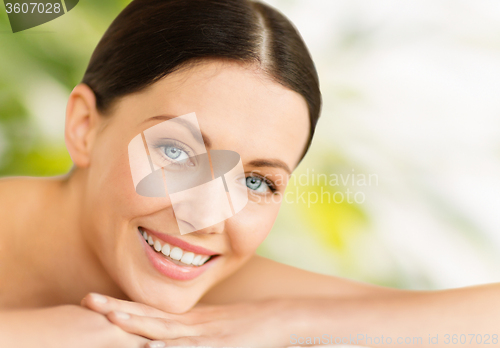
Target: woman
244,71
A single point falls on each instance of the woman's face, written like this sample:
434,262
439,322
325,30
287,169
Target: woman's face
238,108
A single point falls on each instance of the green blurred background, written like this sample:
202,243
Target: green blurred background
410,93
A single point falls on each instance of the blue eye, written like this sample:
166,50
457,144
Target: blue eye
175,153
253,182
258,184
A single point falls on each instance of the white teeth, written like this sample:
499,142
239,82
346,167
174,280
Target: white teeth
197,259
187,258
203,260
165,250
176,253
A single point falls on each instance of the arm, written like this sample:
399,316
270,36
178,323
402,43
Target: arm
261,278
62,326
444,318
341,307
283,309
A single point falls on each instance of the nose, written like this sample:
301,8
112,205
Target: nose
202,208
217,228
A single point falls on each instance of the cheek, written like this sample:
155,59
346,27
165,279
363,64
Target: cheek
112,189
248,229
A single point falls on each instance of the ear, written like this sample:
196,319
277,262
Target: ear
81,124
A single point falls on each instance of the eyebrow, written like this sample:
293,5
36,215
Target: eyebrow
195,131
274,163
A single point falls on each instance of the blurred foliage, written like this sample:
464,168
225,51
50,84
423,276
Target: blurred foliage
330,207
54,52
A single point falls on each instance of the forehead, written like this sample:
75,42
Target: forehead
236,105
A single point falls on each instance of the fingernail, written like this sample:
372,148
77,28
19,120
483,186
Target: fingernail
98,298
122,315
156,344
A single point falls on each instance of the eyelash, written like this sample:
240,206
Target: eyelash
173,143
267,181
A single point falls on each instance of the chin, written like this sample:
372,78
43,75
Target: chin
149,275
142,282
166,297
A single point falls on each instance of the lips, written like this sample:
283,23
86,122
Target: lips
179,243
180,262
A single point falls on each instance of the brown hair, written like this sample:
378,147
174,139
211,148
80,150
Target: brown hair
152,38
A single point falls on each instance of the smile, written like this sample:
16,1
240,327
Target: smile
174,253
175,259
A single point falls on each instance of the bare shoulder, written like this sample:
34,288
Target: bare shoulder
14,214
14,193
21,200
10,191
263,278
16,185
24,202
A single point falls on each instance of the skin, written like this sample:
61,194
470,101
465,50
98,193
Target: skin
221,95
62,238
95,211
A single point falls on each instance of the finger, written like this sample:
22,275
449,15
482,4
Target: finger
152,328
135,341
183,341
106,304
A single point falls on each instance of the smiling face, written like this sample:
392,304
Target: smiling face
238,108
204,187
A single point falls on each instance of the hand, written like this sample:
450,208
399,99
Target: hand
63,326
255,324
